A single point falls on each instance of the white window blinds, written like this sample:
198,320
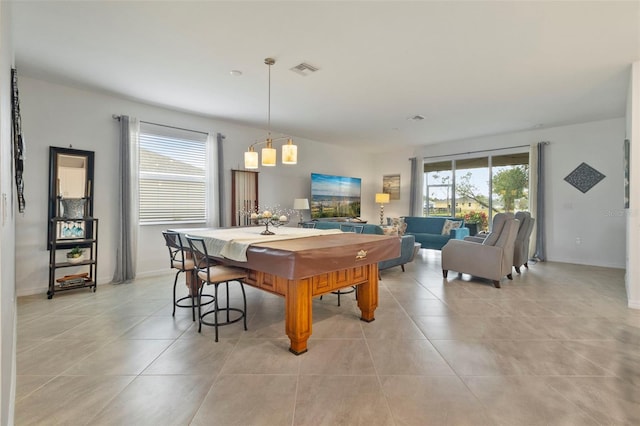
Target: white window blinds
173,165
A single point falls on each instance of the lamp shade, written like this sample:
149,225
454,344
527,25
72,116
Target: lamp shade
289,153
269,155
382,198
251,159
301,204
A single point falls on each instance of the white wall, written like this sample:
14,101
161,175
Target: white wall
7,226
57,115
395,162
596,217
632,278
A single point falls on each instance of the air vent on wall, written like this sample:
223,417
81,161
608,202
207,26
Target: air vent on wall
304,69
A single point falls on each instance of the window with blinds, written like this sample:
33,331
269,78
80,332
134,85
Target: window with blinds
172,172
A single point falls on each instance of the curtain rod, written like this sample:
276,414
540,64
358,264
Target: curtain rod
117,117
485,150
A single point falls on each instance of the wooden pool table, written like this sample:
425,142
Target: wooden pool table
302,268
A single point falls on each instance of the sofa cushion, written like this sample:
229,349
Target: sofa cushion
449,225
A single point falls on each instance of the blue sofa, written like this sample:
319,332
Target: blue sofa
428,231
406,245
368,228
407,252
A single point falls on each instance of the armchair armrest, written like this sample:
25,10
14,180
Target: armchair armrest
476,239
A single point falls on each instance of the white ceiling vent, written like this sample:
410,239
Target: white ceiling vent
417,117
304,69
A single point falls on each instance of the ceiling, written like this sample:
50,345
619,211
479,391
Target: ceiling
469,68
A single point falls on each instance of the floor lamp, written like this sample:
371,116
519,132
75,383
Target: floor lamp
382,199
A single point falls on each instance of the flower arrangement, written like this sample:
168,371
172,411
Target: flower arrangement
480,218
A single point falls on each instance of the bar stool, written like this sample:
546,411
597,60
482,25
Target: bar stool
357,229
210,272
179,261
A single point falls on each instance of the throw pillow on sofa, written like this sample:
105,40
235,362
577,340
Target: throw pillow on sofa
390,230
399,223
449,225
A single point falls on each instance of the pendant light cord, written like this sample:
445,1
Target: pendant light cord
269,63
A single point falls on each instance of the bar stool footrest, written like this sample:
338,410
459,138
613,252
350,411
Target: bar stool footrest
209,299
221,313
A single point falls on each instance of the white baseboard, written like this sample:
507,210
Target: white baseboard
44,287
634,304
154,273
582,262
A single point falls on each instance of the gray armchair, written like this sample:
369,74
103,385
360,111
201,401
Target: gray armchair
493,259
521,245
496,228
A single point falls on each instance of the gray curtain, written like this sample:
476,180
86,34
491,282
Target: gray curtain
540,254
127,224
415,195
221,198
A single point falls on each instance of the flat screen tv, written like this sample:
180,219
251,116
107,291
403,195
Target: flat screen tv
335,196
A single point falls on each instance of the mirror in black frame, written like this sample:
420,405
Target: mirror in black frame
70,195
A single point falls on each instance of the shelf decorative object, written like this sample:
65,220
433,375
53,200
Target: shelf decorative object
73,208
274,217
75,255
267,218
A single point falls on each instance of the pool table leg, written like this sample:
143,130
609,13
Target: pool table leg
368,294
298,315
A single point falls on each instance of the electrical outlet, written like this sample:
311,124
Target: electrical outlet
578,240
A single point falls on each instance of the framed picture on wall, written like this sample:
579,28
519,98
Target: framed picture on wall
391,186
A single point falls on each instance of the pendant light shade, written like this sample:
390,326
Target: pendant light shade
251,159
269,155
289,153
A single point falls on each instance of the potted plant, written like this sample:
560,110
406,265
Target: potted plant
476,221
75,255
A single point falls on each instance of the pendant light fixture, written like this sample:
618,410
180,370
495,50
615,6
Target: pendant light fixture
289,150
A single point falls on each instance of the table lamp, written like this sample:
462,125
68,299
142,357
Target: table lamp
382,199
300,204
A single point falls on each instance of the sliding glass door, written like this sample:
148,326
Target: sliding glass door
477,188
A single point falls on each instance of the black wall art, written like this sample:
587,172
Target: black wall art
584,177
18,143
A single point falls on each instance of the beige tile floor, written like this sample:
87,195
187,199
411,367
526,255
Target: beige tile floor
555,346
